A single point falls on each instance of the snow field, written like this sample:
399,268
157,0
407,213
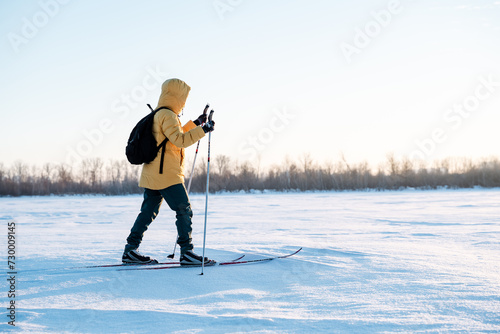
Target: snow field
373,262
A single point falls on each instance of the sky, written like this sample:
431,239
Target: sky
287,79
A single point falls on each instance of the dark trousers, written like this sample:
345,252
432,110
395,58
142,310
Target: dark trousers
177,199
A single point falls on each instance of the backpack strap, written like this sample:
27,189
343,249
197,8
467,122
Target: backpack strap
163,143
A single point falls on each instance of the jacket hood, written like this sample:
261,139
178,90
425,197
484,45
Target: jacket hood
174,93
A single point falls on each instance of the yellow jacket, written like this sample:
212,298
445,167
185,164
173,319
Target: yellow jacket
167,124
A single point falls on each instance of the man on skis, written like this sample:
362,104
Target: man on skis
168,185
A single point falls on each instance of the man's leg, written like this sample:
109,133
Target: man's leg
149,209
177,199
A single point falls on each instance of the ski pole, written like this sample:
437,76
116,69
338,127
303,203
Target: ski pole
171,256
196,153
206,196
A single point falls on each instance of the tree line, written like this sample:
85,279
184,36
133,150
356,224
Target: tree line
91,176
96,176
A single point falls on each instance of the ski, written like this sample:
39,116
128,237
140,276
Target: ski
260,260
106,266
178,265
137,264
233,262
126,265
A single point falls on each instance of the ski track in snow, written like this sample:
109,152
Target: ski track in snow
403,261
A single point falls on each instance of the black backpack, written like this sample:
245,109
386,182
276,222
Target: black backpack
141,146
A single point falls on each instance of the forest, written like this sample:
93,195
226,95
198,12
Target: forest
98,176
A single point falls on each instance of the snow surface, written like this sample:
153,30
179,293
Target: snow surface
405,261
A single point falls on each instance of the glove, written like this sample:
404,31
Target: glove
201,119
208,127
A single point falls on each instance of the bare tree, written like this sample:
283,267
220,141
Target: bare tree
64,178
222,164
